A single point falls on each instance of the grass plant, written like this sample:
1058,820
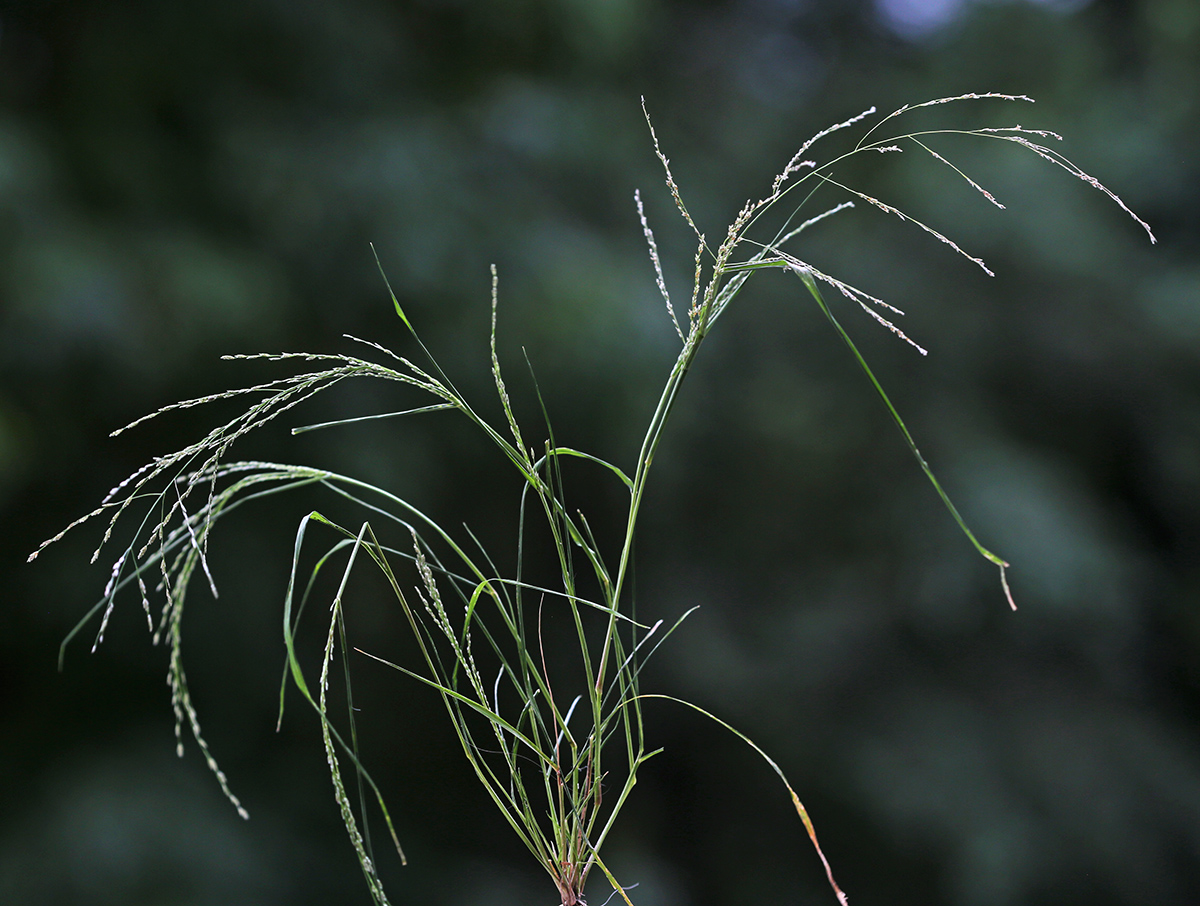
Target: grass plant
558,753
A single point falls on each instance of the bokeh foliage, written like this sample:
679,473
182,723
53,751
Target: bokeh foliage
179,181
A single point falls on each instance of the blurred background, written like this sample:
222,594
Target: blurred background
183,180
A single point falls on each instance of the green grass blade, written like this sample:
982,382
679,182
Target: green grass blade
800,809
488,714
568,451
361,841
436,407
812,287
332,738
391,292
312,578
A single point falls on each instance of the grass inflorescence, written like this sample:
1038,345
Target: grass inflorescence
559,763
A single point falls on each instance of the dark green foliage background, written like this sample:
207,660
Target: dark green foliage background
182,180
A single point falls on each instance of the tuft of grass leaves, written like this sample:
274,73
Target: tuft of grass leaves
539,750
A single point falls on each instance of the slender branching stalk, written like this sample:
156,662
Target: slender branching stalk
558,762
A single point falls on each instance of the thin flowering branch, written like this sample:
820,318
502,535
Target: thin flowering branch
939,101
108,590
797,162
892,327
854,294
671,184
195,542
282,394
374,345
814,220
974,185
694,310
889,209
658,271
1059,160
1044,133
